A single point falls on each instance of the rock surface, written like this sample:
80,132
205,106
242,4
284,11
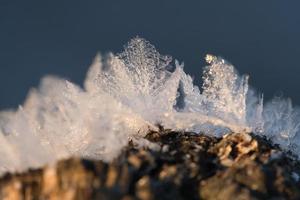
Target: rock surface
185,166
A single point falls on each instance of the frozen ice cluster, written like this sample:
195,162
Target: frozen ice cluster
124,96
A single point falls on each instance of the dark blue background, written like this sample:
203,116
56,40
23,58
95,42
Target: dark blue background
61,37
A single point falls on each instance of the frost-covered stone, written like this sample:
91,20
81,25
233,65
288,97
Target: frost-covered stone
126,95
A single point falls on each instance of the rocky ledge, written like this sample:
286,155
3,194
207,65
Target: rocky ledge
185,166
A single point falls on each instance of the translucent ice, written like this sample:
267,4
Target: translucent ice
126,95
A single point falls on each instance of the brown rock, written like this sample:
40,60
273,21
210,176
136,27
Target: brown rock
186,166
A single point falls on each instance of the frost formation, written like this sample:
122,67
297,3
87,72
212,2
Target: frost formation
126,95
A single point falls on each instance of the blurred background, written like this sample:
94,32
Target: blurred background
61,37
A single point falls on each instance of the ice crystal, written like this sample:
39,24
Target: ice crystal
281,123
140,80
222,101
127,94
224,91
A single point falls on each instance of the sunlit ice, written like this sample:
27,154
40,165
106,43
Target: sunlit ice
128,94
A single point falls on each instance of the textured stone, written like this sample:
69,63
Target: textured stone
186,166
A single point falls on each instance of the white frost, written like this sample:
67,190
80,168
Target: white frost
126,95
